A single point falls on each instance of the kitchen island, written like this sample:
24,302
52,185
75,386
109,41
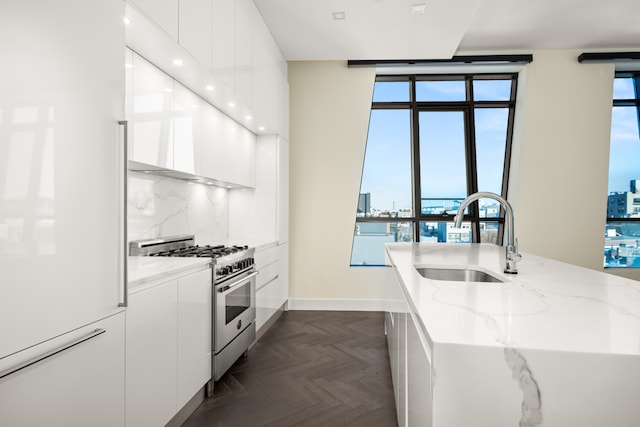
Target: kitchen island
554,345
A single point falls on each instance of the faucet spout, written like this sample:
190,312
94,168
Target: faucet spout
511,244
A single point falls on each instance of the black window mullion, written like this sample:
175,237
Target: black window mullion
415,161
470,155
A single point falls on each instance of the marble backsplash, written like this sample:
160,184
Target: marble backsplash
160,206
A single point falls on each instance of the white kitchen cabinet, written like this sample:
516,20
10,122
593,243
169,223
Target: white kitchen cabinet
244,51
168,347
397,343
228,149
62,97
270,86
194,334
80,386
272,290
195,29
410,360
419,401
163,12
152,355
152,98
282,190
263,214
224,46
187,130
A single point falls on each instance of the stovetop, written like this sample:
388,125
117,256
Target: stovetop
201,251
184,246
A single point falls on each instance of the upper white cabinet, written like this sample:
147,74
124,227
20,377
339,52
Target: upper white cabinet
175,129
195,30
187,130
270,87
151,95
228,149
224,46
163,12
245,10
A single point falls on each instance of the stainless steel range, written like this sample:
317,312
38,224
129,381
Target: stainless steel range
234,293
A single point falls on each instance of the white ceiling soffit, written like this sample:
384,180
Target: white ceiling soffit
371,29
553,24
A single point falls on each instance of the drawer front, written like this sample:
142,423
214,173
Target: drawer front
266,257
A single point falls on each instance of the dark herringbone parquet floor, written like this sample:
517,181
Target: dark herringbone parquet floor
312,368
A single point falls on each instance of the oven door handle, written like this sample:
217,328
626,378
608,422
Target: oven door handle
238,283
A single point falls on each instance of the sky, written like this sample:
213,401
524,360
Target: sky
624,159
387,169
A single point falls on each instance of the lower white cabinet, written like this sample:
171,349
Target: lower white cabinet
272,289
419,402
194,334
82,385
410,360
168,356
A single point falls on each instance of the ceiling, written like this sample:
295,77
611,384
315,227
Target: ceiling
387,29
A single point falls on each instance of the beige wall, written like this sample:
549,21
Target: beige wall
329,117
558,181
560,165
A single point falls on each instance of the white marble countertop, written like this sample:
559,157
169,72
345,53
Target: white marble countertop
548,305
146,269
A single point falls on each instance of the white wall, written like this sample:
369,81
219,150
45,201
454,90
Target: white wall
558,179
329,117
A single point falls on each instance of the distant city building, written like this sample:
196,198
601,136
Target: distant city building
364,203
624,204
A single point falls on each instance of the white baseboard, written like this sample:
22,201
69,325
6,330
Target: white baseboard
336,304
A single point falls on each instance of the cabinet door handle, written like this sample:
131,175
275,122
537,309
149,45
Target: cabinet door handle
50,353
273,279
125,201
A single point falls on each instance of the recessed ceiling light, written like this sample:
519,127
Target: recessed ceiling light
339,16
167,89
177,62
248,117
231,104
418,8
127,20
261,128
209,87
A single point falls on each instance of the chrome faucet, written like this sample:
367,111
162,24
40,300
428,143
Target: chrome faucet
511,247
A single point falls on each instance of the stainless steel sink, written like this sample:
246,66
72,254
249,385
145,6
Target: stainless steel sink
457,274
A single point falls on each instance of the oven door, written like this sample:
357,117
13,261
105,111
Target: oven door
235,304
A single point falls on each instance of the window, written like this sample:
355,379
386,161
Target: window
622,232
433,140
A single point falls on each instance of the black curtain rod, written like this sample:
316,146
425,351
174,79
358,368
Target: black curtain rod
595,57
465,59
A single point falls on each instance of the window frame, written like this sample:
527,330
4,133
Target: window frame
623,102
468,107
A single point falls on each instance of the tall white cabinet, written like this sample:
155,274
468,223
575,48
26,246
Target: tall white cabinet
61,193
